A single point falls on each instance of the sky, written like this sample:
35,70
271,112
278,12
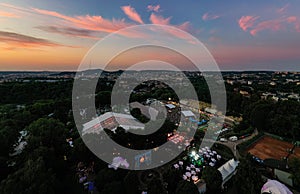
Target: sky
241,35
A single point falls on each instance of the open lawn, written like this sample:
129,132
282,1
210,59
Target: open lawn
268,147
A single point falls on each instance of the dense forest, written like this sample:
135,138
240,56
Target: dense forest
48,164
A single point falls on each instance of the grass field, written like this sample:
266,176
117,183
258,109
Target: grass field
268,147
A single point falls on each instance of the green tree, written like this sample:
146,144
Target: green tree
34,177
114,187
213,179
8,136
131,183
186,187
259,115
136,113
294,164
156,186
4,170
248,179
172,177
107,175
47,139
47,133
103,98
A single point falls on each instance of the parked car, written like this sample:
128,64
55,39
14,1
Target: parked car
233,138
223,140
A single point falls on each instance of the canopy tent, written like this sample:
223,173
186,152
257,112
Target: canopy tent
275,187
228,169
188,113
117,162
170,106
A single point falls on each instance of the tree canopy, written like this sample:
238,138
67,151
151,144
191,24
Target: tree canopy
213,179
248,179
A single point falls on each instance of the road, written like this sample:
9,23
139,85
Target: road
232,145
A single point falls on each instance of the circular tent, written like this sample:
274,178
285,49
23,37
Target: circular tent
275,187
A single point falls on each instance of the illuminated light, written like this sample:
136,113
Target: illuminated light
194,178
193,153
142,159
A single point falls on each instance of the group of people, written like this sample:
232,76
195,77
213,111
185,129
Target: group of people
83,172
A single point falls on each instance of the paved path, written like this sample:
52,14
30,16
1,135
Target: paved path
232,145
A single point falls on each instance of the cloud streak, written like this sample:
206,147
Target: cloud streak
15,40
208,16
157,19
273,25
250,23
68,31
132,14
154,8
95,23
246,22
8,14
283,9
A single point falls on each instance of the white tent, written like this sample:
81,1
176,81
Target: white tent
228,169
170,106
188,113
275,187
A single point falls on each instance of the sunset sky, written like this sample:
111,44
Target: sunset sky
241,35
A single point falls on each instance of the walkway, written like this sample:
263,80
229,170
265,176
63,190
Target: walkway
232,145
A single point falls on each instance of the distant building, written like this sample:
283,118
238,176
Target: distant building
111,121
244,93
294,97
275,98
231,82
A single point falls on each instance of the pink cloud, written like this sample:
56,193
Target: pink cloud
74,24
291,19
157,19
154,8
276,25
95,23
69,31
8,14
273,25
14,7
282,23
294,20
16,40
186,26
246,22
208,16
283,9
132,14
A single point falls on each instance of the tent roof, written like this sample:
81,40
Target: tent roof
188,113
275,187
171,106
228,168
